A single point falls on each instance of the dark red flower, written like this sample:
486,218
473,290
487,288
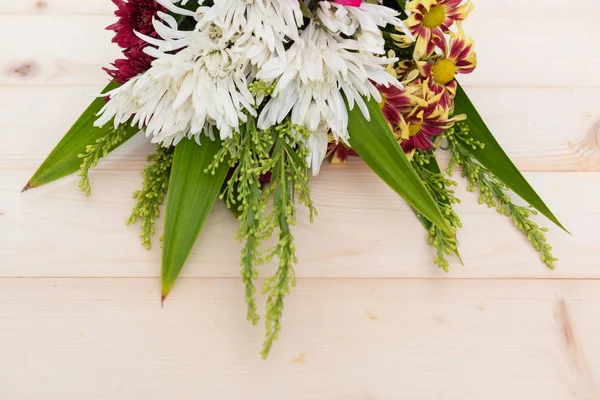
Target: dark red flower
421,142
134,63
266,178
134,16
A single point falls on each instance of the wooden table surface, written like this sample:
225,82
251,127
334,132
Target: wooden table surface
371,317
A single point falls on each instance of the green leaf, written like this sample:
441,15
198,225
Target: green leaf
495,159
306,13
375,143
192,194
64,160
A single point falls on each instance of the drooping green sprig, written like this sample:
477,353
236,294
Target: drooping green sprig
492,191
94,152
249,155
154,188
289,170
440,188
281,153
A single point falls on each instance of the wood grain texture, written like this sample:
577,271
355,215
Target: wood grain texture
99,339
370,232
372,317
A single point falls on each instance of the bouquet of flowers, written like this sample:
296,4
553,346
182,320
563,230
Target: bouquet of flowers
246,99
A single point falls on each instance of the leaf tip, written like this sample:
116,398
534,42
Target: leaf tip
163,297
561,226
555,221
27,187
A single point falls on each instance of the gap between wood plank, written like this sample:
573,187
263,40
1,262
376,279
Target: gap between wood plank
329,278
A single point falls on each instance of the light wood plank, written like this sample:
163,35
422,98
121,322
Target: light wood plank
554,8
58,57
510,9
53,7
537,131
363,230
509,49
99,339
451,336
71,51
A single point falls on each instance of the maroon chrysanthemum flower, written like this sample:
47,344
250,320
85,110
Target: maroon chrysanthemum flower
134,63
134,16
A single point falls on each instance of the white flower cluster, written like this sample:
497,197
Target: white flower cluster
200,78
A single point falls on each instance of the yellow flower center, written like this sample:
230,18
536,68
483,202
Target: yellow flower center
443,71
435,17
414,129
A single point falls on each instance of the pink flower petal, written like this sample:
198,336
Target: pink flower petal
353,3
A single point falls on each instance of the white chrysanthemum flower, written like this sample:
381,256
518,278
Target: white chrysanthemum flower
364,20
317,144
271,21
186,93
319,70
337,18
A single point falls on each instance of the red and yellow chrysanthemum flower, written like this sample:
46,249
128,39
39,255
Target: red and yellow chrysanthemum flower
397,102
457,57
338,152
423,123
431,18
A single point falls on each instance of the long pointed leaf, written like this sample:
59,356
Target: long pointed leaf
64,160
192,194
375,143
495,159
